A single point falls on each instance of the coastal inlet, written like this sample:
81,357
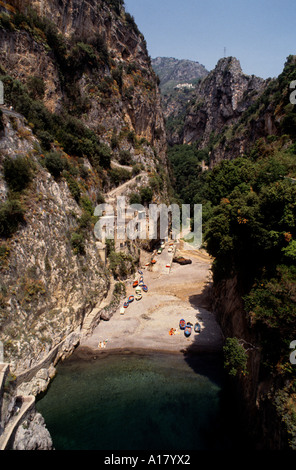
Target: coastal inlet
132,385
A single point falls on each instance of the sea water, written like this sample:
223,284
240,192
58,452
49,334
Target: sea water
131,401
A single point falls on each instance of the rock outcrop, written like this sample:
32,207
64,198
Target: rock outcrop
33,434
219,101
47,289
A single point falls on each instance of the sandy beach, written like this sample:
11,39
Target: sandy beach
173,293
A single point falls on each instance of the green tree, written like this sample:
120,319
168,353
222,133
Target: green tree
235,357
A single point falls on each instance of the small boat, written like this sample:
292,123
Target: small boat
187,331
197,328
131,299
140,272
182,324
126,304
135,283
138,296
153,261
145,288
141,279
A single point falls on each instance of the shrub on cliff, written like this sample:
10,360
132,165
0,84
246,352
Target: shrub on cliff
119,176
271,307
36,87
17,173
125,157
54,163
146,194
82,55
11,215
70,132
131,24
73,187
77,243
235,357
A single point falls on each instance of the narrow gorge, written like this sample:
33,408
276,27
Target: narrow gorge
89,116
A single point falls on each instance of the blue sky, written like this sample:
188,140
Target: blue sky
260,33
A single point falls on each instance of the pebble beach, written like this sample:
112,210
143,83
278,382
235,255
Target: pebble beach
152,323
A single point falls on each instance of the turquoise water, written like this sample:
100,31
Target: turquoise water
139,402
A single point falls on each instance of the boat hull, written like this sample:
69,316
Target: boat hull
187,332
182,324
197,328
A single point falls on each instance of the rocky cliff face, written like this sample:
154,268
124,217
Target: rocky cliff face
93,61
46,288
86,117
254,390
219,101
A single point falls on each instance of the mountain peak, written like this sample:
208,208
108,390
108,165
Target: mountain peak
173,71
229,63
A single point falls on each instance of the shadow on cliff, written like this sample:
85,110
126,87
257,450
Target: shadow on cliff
203,299
225,430
207,348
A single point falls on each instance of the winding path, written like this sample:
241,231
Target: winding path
120,190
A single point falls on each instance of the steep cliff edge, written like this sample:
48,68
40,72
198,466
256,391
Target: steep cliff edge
82,115
265,410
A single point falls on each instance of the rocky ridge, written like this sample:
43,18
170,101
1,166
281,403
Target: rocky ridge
219,101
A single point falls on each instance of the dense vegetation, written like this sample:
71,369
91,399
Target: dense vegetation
249,225
185,162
